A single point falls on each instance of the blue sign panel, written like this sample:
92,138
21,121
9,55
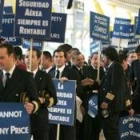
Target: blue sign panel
137,35
36,44
1,11
99,27
122,28
94,46
93,106
130,128
14,122
33,18
138,25
58,28
63,112
8,10
133,42
8,30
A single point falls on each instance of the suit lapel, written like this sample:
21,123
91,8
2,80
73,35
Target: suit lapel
15,79
38,78
1,82
65,72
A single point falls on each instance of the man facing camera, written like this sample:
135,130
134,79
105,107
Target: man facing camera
46,93
14,82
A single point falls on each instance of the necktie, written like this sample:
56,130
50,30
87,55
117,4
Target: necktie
7,79
81,72
57,74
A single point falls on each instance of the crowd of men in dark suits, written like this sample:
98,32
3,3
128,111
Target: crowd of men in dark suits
112,78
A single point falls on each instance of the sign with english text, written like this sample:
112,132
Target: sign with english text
58,28
8,30
14,122
1,11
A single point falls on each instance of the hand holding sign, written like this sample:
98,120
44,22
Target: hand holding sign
29,107
131,112
63,79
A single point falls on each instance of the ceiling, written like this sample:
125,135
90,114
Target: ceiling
132,5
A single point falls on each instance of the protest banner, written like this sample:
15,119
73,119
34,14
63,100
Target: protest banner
99,27
8,30
63,112
33,19
129,128
14,122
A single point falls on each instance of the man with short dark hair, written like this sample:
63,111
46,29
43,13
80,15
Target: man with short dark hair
68,49
15,82
46,93
111,94
47,61
19,58
63,73
135,80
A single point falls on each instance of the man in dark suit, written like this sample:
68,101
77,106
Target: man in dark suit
135,81
47,62
90,127
16,83
63,73
127,107
46,93
68,49
111,94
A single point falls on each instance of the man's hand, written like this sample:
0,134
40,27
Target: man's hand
29,107
104,105
42,100
131,112
87,82
63,79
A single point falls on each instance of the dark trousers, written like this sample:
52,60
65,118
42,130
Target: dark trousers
40,125
111,127
66,132
91,128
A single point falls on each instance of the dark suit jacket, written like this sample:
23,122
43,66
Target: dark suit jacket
71,75
135,80
21,81
66,132
46,89
113,88
135,75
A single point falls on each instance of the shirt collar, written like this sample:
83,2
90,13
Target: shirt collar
48,69
79,68
93,67
10,72
34,71
60,69
110,65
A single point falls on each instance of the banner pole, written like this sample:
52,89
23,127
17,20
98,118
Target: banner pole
42,55
31,50
58,131
98,70
119,46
